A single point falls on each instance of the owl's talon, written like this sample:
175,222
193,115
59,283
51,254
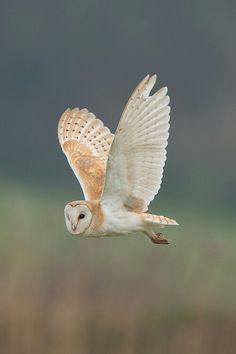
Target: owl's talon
160,239
157,238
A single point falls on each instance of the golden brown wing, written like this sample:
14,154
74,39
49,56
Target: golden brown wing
86,143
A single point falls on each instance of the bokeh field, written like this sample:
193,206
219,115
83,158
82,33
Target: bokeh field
62,294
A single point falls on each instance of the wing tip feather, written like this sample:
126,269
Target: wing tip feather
149,85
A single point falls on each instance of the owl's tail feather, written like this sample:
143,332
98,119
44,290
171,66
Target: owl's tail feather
155,220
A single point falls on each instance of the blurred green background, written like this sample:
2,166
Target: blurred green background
62,294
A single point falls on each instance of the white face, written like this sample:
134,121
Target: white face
78,217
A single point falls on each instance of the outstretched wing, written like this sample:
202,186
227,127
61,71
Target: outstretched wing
138,153
86,143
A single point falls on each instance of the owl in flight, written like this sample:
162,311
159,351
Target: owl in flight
119,173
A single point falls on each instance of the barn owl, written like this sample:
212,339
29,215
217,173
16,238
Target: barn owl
119,173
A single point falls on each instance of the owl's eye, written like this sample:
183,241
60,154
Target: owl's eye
81,216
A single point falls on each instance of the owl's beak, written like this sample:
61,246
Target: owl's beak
73,227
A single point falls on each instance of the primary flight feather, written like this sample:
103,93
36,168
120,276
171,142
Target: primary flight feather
119,174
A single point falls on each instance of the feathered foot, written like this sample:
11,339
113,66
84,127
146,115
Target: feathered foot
157,237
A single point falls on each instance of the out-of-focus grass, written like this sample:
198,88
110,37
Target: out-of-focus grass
63,294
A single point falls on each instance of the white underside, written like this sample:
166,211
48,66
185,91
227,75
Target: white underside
119,221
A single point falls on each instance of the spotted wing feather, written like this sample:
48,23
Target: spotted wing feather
86,143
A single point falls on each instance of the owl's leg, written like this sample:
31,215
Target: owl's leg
157,237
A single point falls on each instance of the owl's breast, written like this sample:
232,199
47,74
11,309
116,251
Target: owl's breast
119,220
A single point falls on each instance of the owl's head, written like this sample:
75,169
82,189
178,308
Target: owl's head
78,217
